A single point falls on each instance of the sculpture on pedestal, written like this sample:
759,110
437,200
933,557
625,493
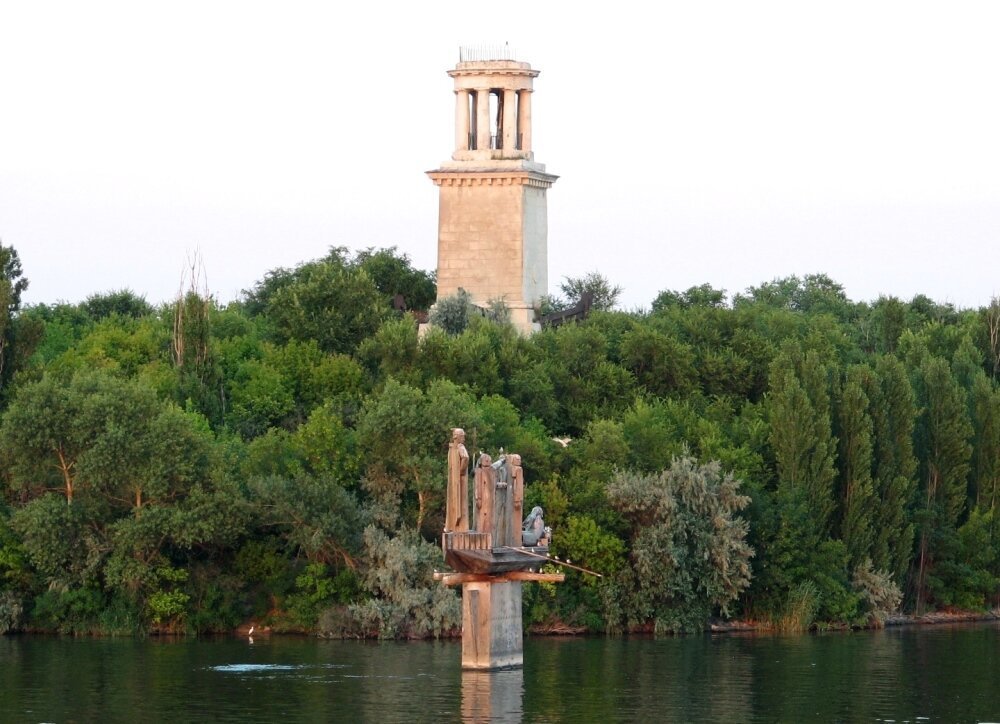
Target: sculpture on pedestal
457,511
485,483
533,531
492,560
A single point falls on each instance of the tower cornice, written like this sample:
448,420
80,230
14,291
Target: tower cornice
472,177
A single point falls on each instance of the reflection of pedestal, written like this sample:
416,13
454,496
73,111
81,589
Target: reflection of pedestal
492,696
491,625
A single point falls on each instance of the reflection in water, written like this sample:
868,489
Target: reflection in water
493,696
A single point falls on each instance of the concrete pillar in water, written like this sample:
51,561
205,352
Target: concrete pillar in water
491,625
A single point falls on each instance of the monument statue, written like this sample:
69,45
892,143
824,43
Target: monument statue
503,533
457,512
517,493
485,482
533,529
491,559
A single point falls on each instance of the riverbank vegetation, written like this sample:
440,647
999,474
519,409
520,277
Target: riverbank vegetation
784,455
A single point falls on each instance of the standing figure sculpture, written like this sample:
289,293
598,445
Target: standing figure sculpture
485,482
457,512
517,493
503,534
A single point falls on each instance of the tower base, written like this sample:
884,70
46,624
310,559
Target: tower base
523,319
491,625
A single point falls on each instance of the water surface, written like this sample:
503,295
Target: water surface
916,674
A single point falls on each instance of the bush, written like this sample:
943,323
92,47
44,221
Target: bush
407,603
880,596
452,313
689,552
11,610
72,611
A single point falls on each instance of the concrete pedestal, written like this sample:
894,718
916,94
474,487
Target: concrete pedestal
491,625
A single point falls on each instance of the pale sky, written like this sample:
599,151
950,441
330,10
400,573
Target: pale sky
728,143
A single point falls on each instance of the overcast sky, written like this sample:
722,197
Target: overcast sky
728,143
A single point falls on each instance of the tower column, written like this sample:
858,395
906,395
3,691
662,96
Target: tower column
483,119
509,121
524,119
462,120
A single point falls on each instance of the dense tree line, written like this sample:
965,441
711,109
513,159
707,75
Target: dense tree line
785,455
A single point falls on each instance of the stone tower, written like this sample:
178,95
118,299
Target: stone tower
492,223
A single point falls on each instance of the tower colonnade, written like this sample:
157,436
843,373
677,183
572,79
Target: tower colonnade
474,123
492,109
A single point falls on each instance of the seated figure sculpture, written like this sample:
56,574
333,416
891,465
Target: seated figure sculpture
533,529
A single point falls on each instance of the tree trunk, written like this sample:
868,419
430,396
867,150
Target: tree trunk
925,543
422,505
65,468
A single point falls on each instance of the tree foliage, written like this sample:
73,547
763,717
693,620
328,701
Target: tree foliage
281,459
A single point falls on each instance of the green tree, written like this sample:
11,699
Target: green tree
403,435
944,432
703,295
44,433
801,434
894,412
813,294
857,501
888,316
327,300
315,514
604,294
663,365
986,459
452,313
18,338
121,302
394,274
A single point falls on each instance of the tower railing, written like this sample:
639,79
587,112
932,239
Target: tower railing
483,53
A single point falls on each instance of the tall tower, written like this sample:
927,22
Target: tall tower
492,223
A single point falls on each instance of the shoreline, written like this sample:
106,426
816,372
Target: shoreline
898,620
714,627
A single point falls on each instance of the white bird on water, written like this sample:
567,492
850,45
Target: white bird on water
250,632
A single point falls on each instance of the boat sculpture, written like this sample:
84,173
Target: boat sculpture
499,541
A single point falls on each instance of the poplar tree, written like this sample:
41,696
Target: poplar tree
856,488
801,550
893,411
801,435
986,461
944,432
19,335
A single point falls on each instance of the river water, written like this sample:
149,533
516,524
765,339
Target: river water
913,674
